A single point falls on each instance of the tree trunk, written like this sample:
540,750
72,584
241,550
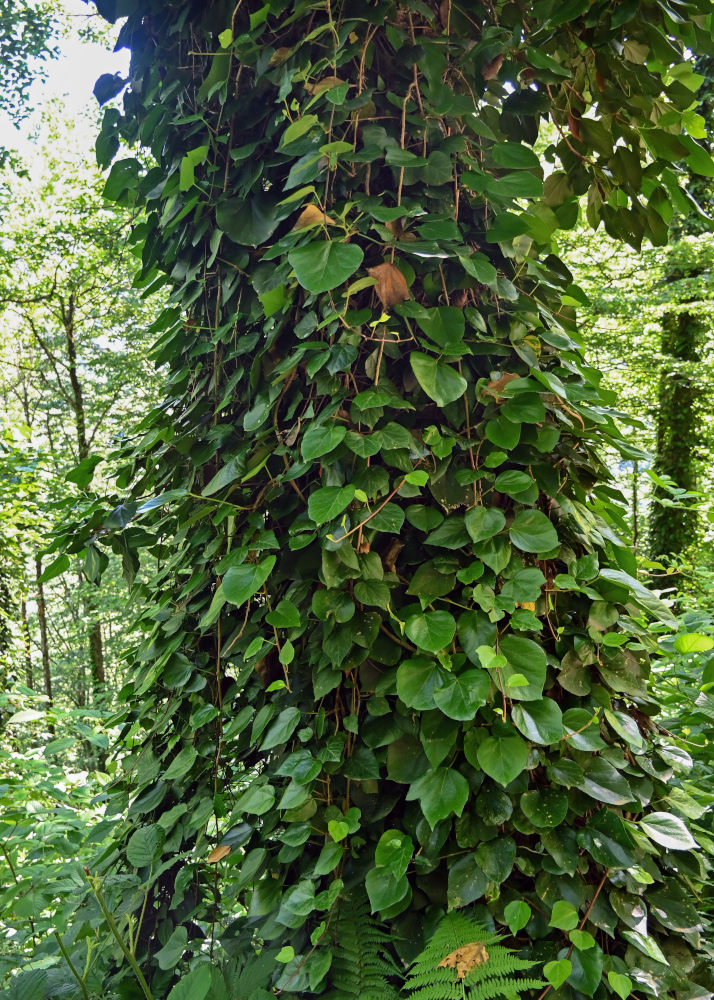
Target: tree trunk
42,619
672,531
29,678
96,645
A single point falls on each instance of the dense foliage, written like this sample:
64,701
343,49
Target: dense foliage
395,643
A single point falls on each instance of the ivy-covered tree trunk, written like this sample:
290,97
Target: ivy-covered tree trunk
673,530
396,650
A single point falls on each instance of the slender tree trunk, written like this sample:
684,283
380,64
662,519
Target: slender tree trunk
29,674
635,504
671,530
42,619
96,645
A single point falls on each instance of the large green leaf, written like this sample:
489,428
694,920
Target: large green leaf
281,729
539,721
250,222
324,264
531,531
604,783
417,680
444,325
194,985
440,381
144,845
462,695
432,631
527,660
241,582
321,440
669,831
484,522
439,794
503,758
181,764
327,502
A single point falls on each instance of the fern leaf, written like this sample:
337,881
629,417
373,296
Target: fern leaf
463,961
361,963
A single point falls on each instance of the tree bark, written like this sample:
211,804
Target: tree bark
96,644
42,619
672,531
29,674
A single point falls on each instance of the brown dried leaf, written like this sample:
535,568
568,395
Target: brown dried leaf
465,959
218,854
280,55
396,228
496,387
574,126
490,70
324,84
311,215
391,284
600,80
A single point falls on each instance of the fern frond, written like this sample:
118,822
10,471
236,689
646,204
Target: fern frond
361,963
463,961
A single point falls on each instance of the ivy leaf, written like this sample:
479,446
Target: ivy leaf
440,381
531,531
394,851
241,582
282,729
483,523
417,680
517,914
444,325
318,441
557,972
181,764
669,831
440,793
324,264
326,503
257,799
502,757
250,222
384,888
564,916
621,984
539,721
432,631
461,696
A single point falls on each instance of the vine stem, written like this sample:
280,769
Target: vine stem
376,511
68,960
111,923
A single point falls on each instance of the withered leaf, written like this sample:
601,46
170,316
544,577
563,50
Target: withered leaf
391,284
324,84
489,70
280,55
496,387
527,605
218,854
396,228
311,215
465,959
574,126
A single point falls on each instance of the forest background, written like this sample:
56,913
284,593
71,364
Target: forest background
77,374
